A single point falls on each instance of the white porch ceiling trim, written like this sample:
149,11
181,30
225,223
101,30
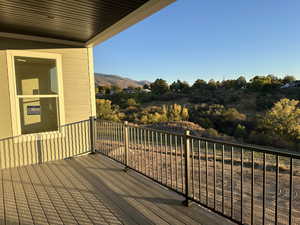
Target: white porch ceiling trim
41,39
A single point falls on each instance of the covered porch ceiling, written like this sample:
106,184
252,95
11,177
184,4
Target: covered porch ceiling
73,22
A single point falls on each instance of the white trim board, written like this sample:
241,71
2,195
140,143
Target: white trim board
41,39
15,112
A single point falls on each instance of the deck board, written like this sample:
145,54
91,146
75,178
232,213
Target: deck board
91,189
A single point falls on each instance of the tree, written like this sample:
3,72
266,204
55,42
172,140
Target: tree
240,131
212,84
180,87
288,79
199,84
232,114
102,90
159,87
284,119
177,112
265,83
107,111
131,102
115,89
241,82
146,86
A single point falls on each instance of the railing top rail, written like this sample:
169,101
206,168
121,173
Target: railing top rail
70,124
159,131
273,151
107,121
30,135
280,152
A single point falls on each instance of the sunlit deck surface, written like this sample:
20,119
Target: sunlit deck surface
91,189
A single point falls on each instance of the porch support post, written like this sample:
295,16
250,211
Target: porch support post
126,143
187,164
93,134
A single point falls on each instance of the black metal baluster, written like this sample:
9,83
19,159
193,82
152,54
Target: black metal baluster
252,188
231,185
166,158
206,156
181,153
223,178
277,186
242,150
171,156
176,162
215,176
199,168
264,187
152,154
193,167
161,156
291,192
156,158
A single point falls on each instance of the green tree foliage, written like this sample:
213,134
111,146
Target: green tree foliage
107,111
115,89
241,82
217,116
180,87
131,102
240,131
212,84
284,119
234,84
265,83
218,107
199,84
288,79
156,114
159,87
146,86
177,113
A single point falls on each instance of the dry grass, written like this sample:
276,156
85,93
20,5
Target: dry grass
165,164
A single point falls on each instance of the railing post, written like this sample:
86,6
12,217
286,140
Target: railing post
126,143
39,149
187,167
93,134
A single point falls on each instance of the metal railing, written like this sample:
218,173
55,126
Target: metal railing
249,185
71,140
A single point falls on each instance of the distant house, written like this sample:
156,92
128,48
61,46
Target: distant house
292,84
129,90
146,90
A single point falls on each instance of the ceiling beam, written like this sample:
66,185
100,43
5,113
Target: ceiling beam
141,13
42,39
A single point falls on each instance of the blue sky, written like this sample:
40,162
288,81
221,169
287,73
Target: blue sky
193,39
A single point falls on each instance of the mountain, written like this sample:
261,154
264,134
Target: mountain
122,82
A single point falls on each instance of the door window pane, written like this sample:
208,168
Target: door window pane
38,115
35,76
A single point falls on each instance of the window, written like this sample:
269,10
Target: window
36,93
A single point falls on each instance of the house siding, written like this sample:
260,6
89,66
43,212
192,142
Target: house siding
76,83
72,139
5,117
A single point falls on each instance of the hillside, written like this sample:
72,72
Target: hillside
259,111
115,80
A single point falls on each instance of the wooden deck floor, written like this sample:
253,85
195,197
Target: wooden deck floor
91,189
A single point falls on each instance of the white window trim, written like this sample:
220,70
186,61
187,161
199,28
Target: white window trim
15,111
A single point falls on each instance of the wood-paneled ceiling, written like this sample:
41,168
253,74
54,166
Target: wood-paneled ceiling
73,20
